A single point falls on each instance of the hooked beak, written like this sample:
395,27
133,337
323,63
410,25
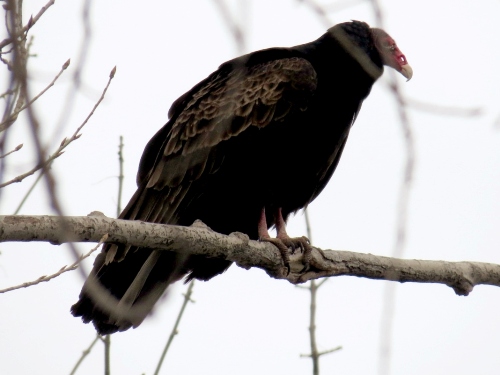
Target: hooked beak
407,71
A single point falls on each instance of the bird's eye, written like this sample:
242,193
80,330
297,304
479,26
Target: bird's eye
391,47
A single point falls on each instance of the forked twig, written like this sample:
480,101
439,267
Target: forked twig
31,22
65,142
64,269
13,117
313,288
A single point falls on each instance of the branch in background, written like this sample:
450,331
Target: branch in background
28,193
315,354
320,12
187,298
107,338
20,75
85,353
64,269
45,164
83,54
6,123
443,110
497,122
107,355
18,50
341,5
32,21
234,28
120,177
389,300
18,147
313,288
201,240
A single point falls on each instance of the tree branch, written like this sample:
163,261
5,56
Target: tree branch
64,269
201,240
31,22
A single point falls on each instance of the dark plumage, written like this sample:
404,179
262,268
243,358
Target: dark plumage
254,142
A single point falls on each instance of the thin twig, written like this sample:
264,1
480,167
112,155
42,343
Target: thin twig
234,28
312,328
315,354
85,353
319,10
389,300
107,355
496,124
13,20
187,298
45,165
28,193
120,178
341,5
64,269
78,72
13,117
313,288
312,309
324,352
443,110
18,147
32,21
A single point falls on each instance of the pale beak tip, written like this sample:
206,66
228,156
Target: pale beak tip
407,71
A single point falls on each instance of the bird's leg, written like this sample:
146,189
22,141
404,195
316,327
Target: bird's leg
264,236
302,242
283,240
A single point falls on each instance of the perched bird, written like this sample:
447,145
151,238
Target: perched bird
255,141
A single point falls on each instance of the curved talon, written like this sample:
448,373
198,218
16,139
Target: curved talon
283,248
289,243
284,244
283,241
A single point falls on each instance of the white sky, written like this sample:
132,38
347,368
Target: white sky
243,322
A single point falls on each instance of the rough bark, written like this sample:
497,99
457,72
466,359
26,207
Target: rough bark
199,239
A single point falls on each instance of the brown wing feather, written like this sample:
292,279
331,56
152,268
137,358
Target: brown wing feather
226,105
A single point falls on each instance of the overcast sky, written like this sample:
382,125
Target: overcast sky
243,322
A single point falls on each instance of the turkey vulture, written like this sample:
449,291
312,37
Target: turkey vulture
255,141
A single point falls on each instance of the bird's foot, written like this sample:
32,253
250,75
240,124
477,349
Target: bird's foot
284,243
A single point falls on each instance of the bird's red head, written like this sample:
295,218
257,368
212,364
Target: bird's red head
391,54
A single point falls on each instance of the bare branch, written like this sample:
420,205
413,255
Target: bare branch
319,10
32,171
13,117
234,28
18,147
313,288
107,355
341,5
402,211
497,122
65,142
64,269
337,348
312,328
32,21
187,298
443,110
199,240
120,177
85,353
